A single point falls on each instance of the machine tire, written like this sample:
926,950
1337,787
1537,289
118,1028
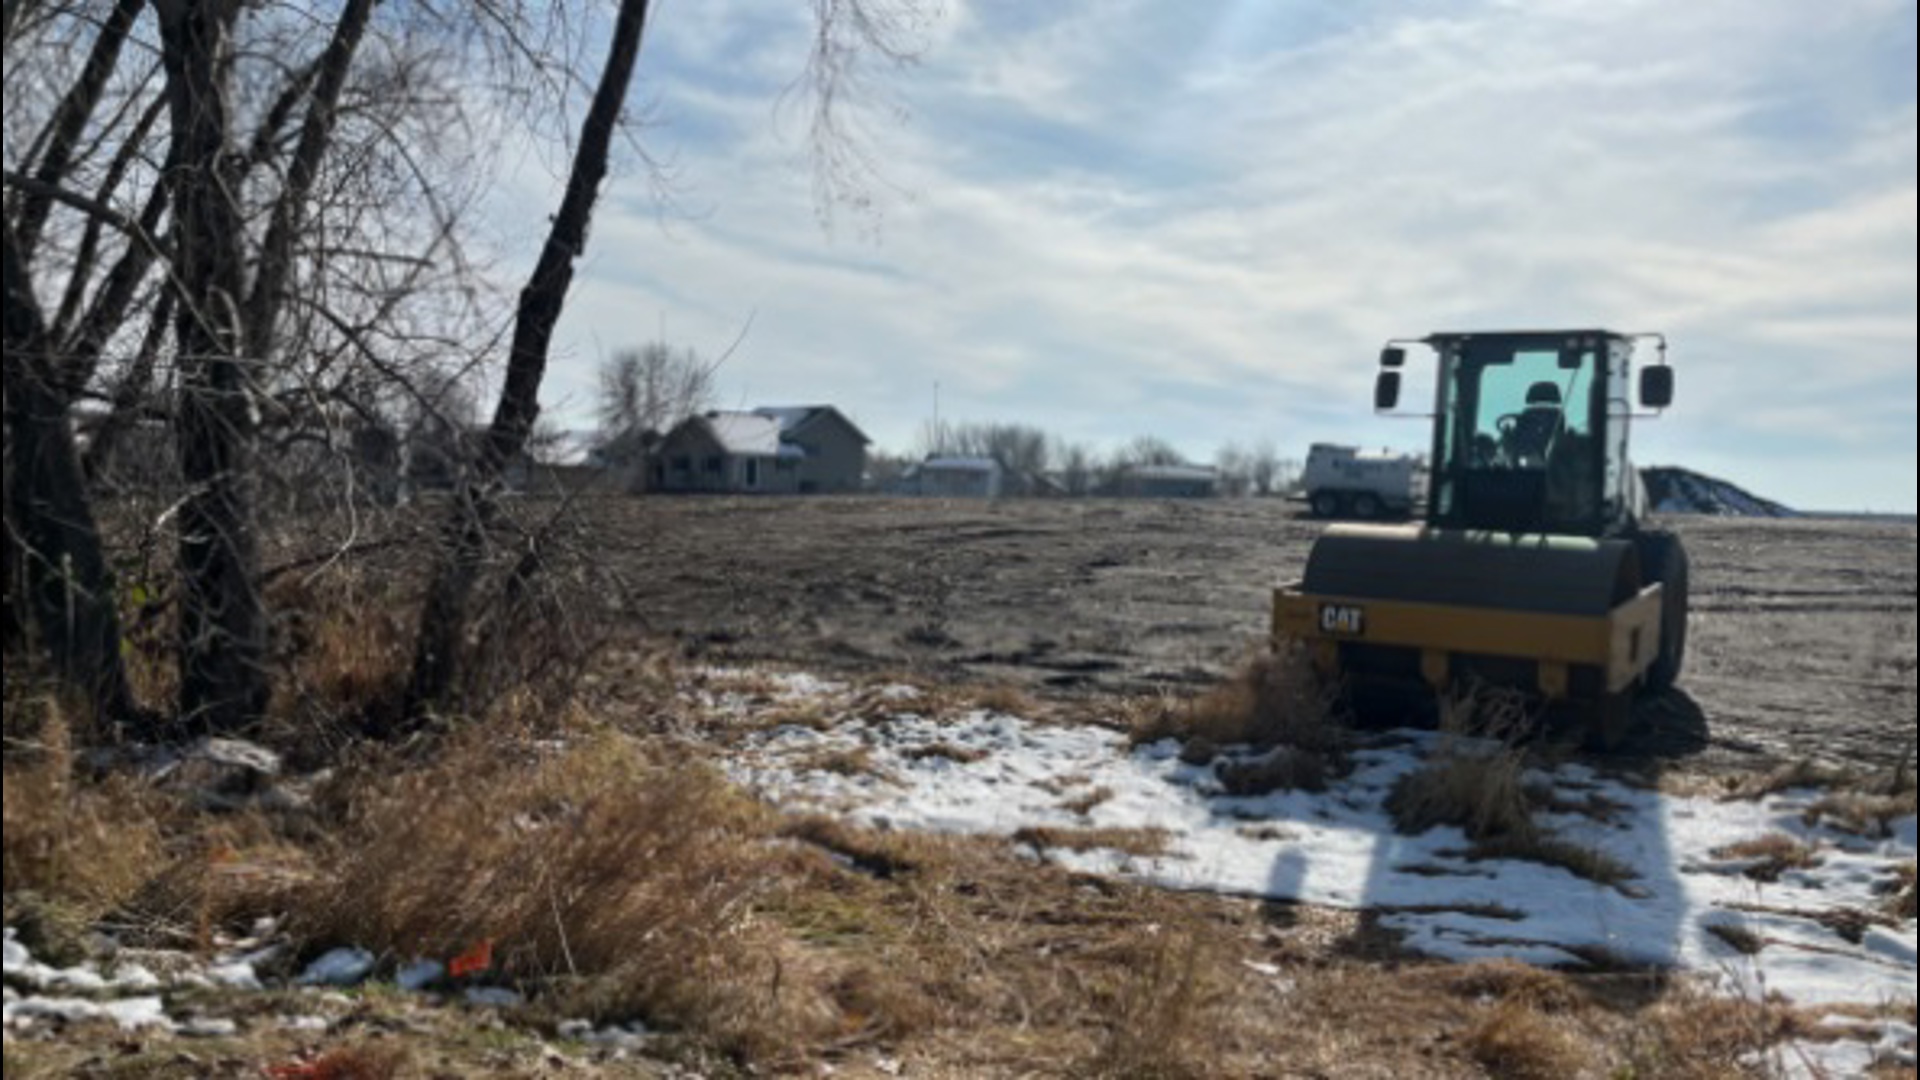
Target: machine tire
1367,506
1663,559
1327,504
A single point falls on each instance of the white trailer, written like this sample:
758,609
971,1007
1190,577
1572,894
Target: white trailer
1346,481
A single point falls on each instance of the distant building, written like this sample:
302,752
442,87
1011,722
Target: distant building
956,478
1166,482
808,450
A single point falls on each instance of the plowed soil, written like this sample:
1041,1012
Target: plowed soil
1803,632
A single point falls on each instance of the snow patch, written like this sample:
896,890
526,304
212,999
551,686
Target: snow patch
1340,849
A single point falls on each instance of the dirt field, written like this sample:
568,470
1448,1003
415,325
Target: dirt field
1803,631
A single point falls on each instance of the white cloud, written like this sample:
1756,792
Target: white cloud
1199,219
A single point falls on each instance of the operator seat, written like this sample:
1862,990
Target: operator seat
1536,427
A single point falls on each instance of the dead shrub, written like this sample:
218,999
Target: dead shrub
1478,790
79,845
1274,700
1772,857
345,647
619,881
225,873
1168,1019
1903,903
1475,783
1512,1040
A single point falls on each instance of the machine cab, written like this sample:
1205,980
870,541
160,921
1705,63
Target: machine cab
1531,430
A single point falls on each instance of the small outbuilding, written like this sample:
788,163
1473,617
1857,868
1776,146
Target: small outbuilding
956,478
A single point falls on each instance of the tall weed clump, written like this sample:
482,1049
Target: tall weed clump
617,882
1275,700
80,849
1475,781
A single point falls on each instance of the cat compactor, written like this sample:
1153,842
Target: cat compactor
1533,565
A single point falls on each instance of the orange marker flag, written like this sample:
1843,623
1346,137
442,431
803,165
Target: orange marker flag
473,961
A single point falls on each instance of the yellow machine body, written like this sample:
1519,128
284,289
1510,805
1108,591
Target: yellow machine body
1570,616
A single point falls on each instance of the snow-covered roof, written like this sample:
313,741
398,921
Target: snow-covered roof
793,417
745,434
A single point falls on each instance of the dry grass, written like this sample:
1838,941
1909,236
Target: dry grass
619,881
1475,782
1903,902
1692,1035
344,647
1006,700
960,755
881,855
1275,700
1805,774
81,848
1582,862
1170,1019
1478,791
1773,856
1861,813
1515,1041
1741,939
1140,843
838,760
1086,802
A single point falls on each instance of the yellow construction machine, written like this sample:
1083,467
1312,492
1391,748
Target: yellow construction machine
1534,565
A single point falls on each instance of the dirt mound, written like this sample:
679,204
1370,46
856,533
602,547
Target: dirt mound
1683,491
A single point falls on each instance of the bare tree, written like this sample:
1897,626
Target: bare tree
1263,467
1149,450
1075,462
1234,467
444,618
652,389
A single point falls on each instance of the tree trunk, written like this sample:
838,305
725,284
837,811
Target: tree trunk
223,625
53,541
444,617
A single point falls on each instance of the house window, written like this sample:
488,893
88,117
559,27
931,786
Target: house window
683,464
716,464
753,472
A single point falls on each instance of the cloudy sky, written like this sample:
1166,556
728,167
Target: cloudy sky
1199,220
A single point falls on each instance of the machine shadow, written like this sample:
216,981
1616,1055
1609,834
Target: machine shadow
1623,940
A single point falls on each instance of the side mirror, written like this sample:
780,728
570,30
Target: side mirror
1656,387
1386,391
1393,357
